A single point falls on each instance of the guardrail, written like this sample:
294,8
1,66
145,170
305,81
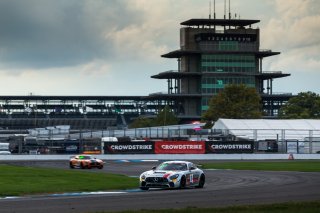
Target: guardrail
167,157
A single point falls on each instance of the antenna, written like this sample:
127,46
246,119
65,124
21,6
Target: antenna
229,11
214,9
209,9
214,12
224,15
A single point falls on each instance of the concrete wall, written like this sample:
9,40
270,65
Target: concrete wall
169,157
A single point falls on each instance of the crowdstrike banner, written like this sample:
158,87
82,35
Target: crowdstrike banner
229,147
129,148
179,147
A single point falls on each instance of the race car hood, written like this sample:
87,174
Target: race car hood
159,173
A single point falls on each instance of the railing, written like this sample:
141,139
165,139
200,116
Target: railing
271,72
302,141
265,50
279,93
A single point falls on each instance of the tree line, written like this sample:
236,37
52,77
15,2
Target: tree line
241,102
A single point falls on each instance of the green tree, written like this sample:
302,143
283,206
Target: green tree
166,117
305,105
142,122
234,101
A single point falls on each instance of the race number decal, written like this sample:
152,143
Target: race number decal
191,178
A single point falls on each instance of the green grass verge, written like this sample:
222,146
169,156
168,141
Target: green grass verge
295,165
16,180
301,207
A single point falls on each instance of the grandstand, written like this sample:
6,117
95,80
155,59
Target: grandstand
80,112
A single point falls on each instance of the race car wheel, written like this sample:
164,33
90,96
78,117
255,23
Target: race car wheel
82,166
71,166
201,181
100,167
182,182
144,188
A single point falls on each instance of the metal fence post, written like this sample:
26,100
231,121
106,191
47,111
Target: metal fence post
255,135
162,133
310,141
283,137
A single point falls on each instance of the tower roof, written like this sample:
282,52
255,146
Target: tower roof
180,53
219,22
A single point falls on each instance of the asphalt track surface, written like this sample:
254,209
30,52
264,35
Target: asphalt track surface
222,188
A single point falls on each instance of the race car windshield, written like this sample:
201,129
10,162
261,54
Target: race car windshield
85,157
172,166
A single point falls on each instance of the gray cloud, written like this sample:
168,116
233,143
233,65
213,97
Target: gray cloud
110,41
45,33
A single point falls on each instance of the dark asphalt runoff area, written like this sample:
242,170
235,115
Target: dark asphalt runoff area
222,188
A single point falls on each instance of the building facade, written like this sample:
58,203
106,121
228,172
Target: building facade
214,53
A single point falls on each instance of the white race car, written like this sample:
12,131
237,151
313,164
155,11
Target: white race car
173,174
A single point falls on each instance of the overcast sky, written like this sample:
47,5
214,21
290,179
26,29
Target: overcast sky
112,47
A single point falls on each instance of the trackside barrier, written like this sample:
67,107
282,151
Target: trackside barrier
133,147
129,148
178,147
165,157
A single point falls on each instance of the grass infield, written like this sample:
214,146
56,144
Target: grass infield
292,165
300,207
18,180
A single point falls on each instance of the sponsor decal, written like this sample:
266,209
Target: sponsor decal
229,147
184,147
180,147
129,148
71,148
225,37
92,152
191,178
166,175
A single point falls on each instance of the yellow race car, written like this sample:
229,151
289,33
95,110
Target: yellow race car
85,162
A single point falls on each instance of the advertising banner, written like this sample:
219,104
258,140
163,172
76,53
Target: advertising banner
225,37
294,146
129,148
4,146
71,148
180,147
225,147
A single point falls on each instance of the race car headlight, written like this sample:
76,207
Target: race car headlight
142,177
174,177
